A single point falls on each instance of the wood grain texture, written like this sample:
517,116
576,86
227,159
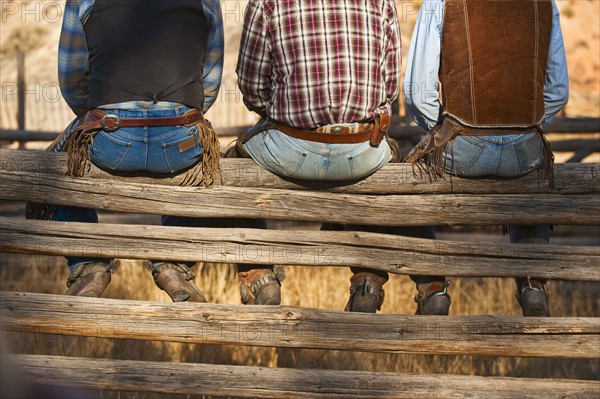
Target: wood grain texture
264,382
390,253
310,206
575,145
295,327
391,179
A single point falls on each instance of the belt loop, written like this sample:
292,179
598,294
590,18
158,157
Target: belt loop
197,136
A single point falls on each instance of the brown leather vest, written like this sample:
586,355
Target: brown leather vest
493,63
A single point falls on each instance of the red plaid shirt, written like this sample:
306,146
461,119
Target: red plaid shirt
309,63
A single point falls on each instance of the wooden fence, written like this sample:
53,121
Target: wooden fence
573,200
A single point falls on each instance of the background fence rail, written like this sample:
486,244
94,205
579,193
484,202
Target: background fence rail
252,382
394,254
295,327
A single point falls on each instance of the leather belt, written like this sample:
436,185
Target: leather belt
97,119
372,132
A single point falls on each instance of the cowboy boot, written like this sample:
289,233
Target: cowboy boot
89,279
366,293
261,286
433,299
533,297
177,280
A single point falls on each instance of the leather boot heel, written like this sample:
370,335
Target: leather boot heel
177,281
89,279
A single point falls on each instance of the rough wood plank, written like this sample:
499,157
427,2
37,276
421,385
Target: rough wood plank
579,156
395,254
574,125
26,135
287,326
310,206
590,145
265,382
391,179
575,239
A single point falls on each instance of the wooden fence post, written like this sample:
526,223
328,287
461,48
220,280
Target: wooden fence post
21,94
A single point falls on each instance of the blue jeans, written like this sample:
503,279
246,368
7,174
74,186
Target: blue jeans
309,160
506,156
138,149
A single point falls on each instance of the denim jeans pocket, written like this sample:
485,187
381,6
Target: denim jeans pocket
109,152
529,153
463,157
277,153
296,155
366,160
182,152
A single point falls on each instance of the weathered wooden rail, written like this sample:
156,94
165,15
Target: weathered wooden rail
296,327
395,195
391,179
432,208
252,382
394,254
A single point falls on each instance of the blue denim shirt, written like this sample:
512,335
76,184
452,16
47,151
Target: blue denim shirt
73,59
421,78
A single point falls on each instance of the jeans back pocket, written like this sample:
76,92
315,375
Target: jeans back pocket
109,152
464,156
181,152
529,154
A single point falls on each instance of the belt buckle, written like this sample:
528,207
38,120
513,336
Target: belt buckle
109,117
336,129
331,129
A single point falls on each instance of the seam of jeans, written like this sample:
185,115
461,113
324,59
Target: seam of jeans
145,153
115,140
126,133
292,144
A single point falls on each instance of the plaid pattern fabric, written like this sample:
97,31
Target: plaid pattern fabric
73,58
317,62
